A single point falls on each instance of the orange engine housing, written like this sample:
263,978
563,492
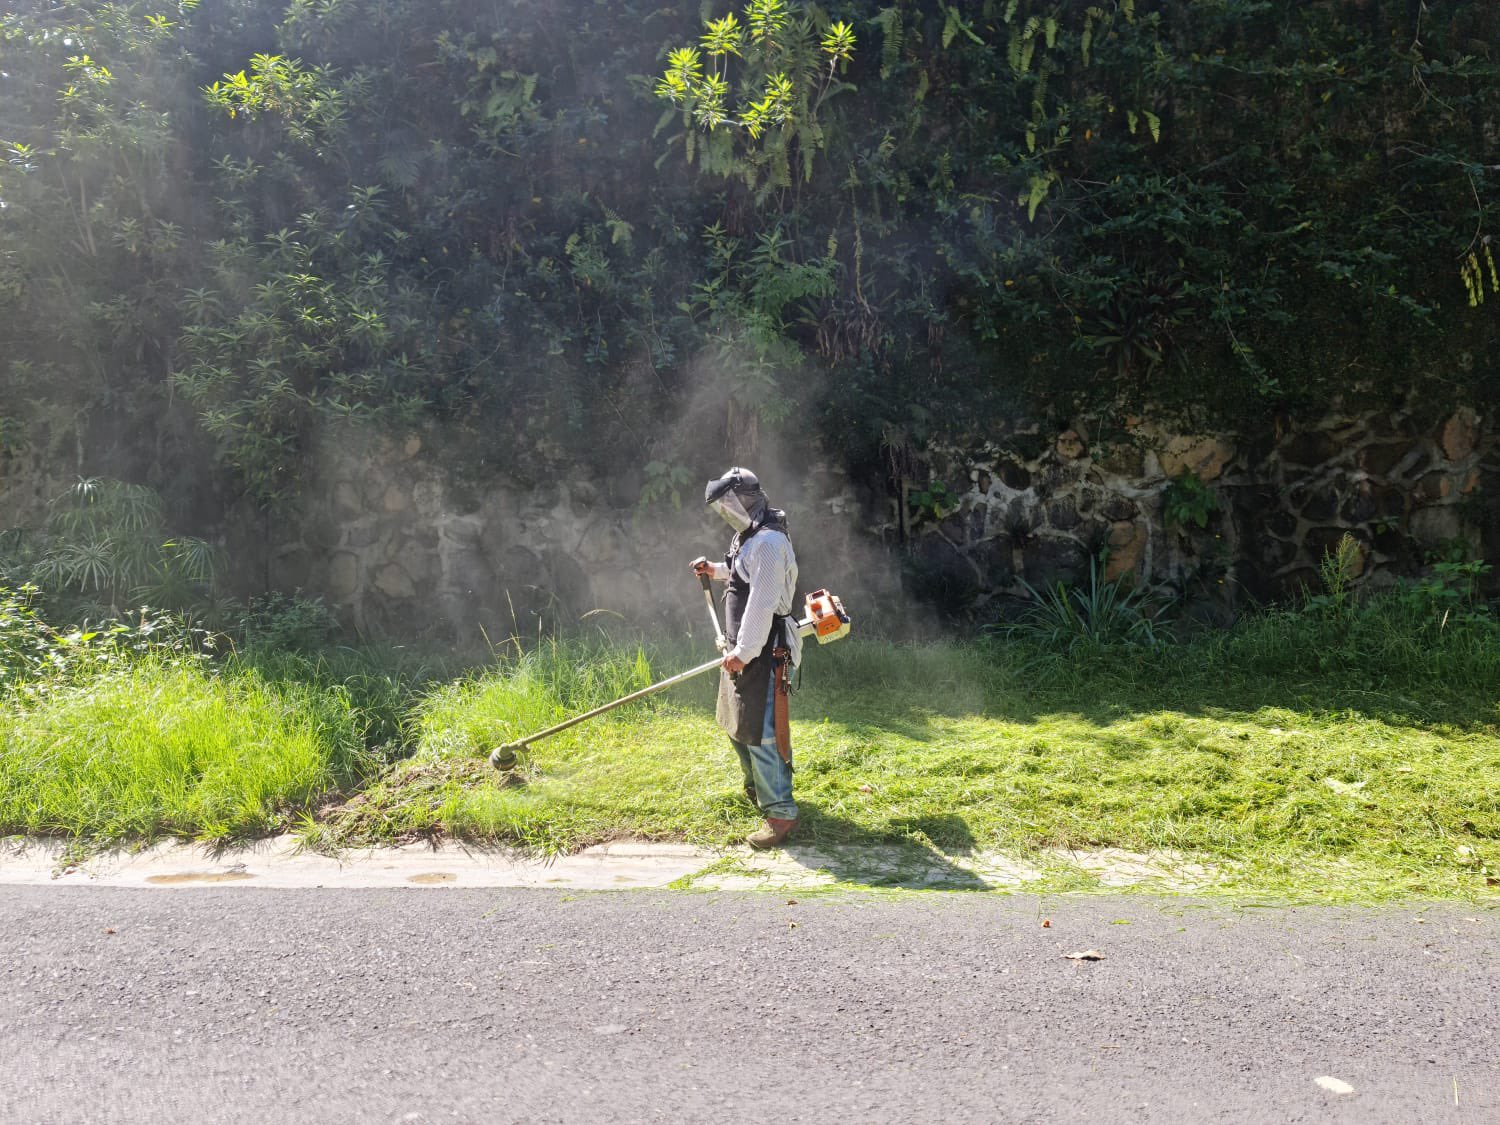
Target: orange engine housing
826,616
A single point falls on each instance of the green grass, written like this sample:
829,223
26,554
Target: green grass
152,748
1313,782
379,684
1347,754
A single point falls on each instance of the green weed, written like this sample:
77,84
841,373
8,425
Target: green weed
1335,751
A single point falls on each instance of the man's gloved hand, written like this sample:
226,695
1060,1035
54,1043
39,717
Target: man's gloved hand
702,567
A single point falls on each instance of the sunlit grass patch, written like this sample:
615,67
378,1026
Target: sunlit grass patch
154,748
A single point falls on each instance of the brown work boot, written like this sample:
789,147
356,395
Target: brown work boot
773,835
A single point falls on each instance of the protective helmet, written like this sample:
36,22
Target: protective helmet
738,497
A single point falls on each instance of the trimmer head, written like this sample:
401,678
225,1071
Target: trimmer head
504,757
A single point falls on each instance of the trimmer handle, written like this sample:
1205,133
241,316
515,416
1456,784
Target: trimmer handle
704,570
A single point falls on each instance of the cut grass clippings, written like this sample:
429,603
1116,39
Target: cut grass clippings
1301,789
155,748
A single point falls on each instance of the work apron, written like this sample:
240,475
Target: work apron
741,708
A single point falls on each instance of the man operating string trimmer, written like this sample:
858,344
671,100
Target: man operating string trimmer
761,645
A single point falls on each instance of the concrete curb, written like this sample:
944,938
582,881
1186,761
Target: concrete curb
281,862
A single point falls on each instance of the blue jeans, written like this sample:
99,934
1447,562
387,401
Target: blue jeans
764,769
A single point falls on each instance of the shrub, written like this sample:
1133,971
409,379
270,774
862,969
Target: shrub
278,622
35,656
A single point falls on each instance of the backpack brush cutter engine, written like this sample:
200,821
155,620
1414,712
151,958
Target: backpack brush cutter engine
823,618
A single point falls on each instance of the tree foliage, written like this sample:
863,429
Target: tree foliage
789,60
224,227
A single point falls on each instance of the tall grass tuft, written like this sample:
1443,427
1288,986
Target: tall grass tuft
524,694
155,748
381,683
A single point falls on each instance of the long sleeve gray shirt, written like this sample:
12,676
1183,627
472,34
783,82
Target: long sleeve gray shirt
769,564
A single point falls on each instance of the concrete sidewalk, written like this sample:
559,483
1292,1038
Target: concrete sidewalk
282,862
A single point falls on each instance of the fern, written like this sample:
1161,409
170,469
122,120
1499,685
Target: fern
893,36
1471,270
1036,191
954,24
619,230
1091,15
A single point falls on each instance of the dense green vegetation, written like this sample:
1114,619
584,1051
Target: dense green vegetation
1343,749
224,224
154,750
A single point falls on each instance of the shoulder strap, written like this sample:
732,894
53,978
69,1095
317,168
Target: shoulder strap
738,543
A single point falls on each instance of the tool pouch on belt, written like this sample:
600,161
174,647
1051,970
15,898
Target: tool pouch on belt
781,672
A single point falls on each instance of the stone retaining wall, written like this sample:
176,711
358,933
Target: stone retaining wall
400,544
391,540
1037,506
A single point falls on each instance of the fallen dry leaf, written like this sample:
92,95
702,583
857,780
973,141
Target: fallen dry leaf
108,930
791,902
1085,955
1046,923
791,925
867,789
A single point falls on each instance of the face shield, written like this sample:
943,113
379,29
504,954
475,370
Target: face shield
732,509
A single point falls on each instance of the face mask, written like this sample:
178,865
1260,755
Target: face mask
733,511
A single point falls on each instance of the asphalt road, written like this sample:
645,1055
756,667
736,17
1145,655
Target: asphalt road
439,1005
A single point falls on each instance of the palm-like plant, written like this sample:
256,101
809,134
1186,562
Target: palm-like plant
106,541
1105,612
